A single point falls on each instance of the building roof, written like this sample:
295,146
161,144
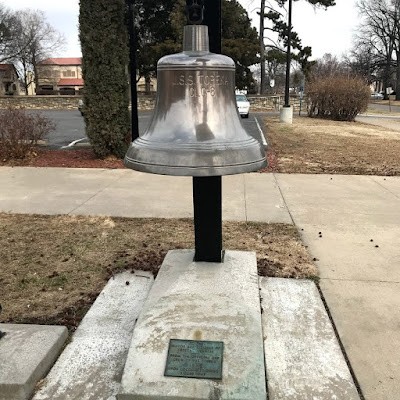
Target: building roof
70,82
62,61
6,67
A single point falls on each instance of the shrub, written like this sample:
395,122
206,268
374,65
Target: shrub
20,132
337,97
105,50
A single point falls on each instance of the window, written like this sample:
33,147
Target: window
69,74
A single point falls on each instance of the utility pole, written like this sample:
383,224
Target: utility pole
288,56
132,70
262,47
286,115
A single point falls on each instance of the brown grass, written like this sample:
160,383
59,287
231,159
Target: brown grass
314,145
53,267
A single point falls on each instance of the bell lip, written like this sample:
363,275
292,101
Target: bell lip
201,147
221,170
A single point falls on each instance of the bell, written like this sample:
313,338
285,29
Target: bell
196,128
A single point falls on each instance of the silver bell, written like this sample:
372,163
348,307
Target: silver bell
196,128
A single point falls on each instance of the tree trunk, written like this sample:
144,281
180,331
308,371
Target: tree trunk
147,87
35,74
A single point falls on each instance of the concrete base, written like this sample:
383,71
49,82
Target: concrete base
286,115
91,366
302,355
27,352
199,301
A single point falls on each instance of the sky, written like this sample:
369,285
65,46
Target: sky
326,31
329,31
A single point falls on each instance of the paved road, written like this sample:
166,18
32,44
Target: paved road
384,107
70,126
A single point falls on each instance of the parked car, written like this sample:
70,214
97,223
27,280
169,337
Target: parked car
377,96
80,106
243,105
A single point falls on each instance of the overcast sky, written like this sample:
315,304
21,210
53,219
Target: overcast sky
328,31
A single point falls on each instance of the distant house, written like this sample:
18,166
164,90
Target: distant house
9,80
59,75
64,76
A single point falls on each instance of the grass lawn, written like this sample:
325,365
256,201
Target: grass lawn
313,146
53,267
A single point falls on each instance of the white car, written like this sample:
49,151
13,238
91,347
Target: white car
377,96
243,105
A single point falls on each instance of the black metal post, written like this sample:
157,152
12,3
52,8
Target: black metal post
132,70
207,198
288,56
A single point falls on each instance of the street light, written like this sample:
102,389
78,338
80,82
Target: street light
287,111
132,68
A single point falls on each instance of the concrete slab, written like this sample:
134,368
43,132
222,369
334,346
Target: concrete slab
199,301
91,366
27,352
390,183
233,198
264,202
367,316
302,355
335,196
142,195
346,252
50,190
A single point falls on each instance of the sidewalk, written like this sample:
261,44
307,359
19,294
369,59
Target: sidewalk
360,282
384,120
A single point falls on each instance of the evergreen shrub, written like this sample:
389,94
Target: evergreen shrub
105,50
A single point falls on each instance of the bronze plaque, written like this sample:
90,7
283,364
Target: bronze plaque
194,359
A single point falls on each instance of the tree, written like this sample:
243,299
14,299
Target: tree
273,19
36,41
328,66
155,34
159,29
380,36
104,42
240,42
10,29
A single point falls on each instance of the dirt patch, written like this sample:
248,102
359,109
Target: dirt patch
312,145
53,267
68,158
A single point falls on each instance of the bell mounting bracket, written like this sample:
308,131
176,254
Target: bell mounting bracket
195,11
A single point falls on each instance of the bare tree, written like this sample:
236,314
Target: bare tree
329,66
37,41
380,35
10,29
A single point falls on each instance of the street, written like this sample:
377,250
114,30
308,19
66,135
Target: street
70,126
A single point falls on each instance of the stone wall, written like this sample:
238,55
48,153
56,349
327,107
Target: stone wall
59,102
146,102
272,103
40,102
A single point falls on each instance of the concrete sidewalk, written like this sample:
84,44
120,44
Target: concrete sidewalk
360,282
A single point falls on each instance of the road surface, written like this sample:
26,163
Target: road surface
70,126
